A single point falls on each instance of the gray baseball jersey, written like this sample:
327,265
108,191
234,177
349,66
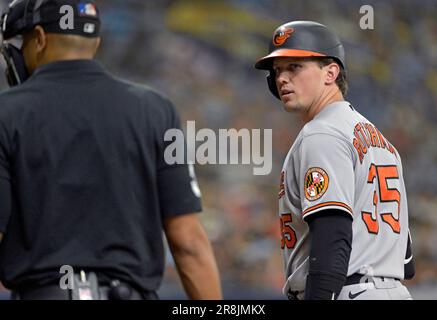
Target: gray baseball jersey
340,160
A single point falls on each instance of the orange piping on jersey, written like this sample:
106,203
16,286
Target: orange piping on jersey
327,204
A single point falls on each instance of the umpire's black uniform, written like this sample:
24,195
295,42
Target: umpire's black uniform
89,187
83,181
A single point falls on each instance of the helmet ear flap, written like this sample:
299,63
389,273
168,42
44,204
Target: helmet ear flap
272,84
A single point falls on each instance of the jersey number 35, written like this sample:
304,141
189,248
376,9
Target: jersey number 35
381,174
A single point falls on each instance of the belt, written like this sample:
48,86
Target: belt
47,292
360,278
355,278
117,290
54,292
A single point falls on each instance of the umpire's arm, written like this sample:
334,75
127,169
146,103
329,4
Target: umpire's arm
193,256
179,198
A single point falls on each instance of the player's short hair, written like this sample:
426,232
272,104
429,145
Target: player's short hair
341,80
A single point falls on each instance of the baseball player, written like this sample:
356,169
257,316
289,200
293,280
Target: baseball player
342,199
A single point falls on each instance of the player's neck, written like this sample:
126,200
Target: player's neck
320,104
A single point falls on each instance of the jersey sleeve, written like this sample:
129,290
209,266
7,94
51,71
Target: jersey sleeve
177,186
326,176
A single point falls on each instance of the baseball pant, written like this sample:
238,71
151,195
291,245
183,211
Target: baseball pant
377,288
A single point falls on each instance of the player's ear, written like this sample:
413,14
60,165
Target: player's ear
332,71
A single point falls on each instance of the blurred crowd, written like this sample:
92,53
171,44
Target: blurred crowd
201,54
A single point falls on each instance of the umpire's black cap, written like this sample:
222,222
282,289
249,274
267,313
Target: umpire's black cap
80,17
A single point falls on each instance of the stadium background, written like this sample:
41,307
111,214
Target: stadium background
201,55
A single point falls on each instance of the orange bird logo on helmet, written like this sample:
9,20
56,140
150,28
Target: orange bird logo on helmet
281,36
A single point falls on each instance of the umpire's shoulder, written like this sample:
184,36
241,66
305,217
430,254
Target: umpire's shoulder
13,100
12,94
158,108
150,97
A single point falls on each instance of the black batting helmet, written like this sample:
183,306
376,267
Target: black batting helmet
301,39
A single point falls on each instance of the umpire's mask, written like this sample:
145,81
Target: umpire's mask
12,28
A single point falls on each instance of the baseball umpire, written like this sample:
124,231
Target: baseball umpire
83,180
342,199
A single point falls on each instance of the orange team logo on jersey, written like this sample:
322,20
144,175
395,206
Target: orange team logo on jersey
316,183
281,36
